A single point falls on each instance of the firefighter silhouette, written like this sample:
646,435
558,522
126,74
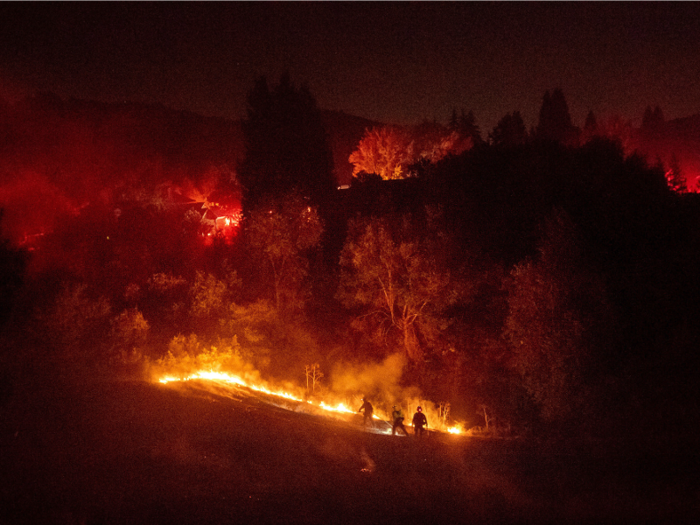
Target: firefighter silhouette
368,410
397,417
419,421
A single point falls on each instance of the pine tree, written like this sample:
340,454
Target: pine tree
652,123
555,120
675,177
286,145
510,131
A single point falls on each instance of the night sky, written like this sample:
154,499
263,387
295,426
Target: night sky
391,62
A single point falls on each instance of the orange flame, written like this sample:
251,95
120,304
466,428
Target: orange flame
239,381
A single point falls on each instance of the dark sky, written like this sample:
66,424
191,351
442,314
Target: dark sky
389,61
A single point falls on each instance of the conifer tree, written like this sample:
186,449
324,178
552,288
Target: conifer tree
286,145
590,128
510,131
555,120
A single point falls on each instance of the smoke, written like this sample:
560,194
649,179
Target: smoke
32,205
381,382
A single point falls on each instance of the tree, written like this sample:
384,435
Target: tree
286,145
510,131
385,151
590,128
76,323
555,303
465,126
652,123
313,373
432,142
555,120
209,296
619,130
392,274
281,233
128,335
675,177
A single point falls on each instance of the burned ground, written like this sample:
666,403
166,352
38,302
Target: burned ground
129,452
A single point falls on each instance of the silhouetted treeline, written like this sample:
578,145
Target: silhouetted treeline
539,284
629,285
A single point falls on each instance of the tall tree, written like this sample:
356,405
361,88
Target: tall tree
510,131
385,151
556,304
675,177
280,234
652,123
555,120
286,145
392,274
465,125
590,128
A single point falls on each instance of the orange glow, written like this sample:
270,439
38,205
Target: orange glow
228,378
340,408
237,380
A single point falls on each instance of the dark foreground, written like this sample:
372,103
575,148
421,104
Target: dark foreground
141,453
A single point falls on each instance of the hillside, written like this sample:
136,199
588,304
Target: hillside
61,156
142,453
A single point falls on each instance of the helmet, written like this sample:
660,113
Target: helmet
419,409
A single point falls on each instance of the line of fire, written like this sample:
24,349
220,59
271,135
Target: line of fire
494,280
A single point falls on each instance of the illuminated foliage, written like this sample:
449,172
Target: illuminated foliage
392,274
675,177
209,296
385,151
432,142
129,329
281,233
187,353
389,151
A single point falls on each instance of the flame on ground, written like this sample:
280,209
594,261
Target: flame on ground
237,380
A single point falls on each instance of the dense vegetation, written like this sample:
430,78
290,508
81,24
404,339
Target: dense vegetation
539,281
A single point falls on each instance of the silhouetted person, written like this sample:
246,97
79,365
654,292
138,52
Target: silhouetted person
419,421
368,410
397,417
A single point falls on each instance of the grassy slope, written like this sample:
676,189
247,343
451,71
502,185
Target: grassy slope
140,453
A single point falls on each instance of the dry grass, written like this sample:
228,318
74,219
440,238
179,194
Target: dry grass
141,453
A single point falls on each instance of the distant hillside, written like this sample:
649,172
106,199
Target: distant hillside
59,156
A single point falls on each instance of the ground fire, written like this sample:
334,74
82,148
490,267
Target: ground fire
382,424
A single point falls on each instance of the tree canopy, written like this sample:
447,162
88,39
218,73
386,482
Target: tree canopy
286,145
